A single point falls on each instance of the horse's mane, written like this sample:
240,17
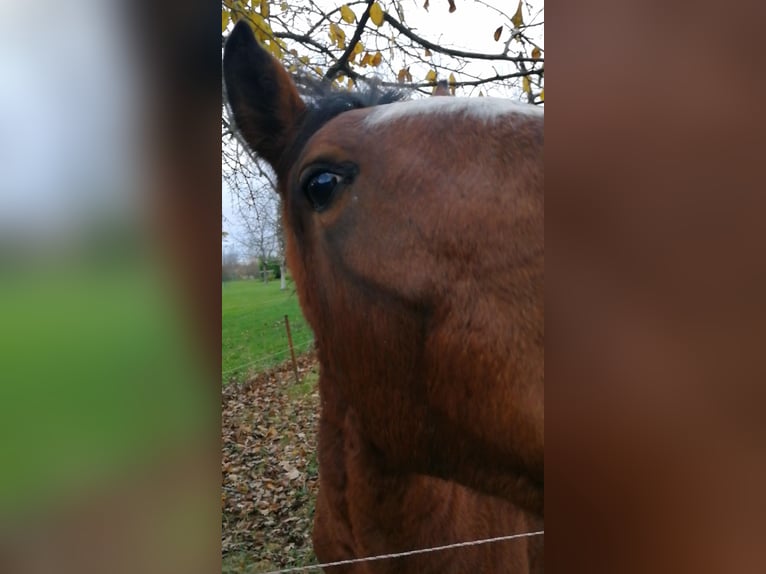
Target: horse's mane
324,101
322,96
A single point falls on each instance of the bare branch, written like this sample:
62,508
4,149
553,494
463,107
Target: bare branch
478,82
451,52
342,64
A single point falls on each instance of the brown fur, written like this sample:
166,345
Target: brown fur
423,282
365,509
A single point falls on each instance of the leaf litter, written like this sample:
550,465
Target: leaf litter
269,468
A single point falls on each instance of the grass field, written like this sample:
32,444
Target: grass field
269,462
253,334
96,378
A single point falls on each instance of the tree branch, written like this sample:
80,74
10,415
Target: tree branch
303,39
326,15
478,82
342,63
449,51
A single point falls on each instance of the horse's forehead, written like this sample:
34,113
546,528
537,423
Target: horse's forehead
470,109
382,126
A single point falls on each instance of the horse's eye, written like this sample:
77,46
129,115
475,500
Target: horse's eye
321,187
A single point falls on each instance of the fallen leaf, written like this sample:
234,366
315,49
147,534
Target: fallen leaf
293,474
269,478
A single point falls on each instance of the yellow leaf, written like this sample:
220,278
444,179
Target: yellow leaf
304,60
401,76
366,60
376,14
318,70
337,35
542,95
347,14
377,59
497,33
431,76
276,50
358,48
224,19
535,52
452,80
236,12
265,8
258,24
518,18
350,83
284,6
525,85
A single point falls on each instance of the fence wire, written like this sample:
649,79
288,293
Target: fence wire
408,553
262,360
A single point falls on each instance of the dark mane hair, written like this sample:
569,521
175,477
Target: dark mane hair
324,101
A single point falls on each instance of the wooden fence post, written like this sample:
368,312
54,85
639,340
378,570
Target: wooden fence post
292,351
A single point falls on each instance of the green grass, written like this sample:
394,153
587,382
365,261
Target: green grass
97,377
253,335
306,386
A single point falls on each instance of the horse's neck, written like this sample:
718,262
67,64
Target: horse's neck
343,443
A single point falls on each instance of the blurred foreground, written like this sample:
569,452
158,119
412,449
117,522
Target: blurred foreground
108,202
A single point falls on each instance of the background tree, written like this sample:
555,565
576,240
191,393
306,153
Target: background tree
258,234
365,41
229,264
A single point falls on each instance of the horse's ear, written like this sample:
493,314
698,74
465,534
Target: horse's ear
441,89
262,95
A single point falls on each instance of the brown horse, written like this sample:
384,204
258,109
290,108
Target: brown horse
416,240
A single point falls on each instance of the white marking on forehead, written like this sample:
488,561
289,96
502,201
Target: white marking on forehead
480,108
